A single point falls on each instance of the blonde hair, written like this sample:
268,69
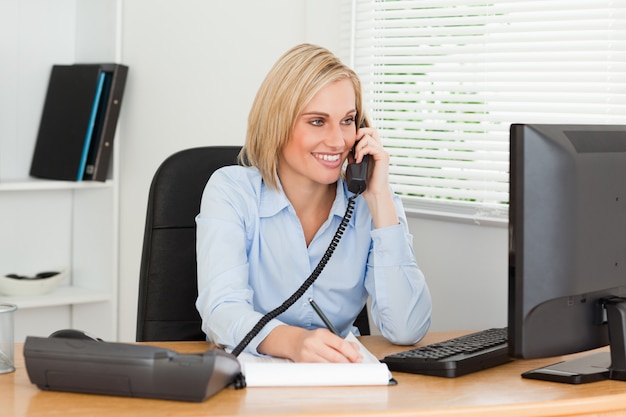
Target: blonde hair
289,86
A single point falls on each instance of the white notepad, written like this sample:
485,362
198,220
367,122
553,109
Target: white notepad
277,372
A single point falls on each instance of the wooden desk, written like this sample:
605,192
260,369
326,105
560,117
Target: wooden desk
499,391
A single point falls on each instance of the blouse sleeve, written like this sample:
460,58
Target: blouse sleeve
401,302
224,295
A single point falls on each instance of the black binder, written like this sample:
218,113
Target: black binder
78,122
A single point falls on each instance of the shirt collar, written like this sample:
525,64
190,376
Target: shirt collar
273,201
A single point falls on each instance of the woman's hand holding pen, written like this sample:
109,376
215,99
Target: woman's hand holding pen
301,345
321,345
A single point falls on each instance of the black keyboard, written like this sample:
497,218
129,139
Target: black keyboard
454,357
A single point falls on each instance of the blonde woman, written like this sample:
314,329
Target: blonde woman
264,226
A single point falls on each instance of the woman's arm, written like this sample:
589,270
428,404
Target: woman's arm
401,303
225,298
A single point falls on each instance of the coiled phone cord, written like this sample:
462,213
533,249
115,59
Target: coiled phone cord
305,285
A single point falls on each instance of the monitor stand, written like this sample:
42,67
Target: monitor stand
596,366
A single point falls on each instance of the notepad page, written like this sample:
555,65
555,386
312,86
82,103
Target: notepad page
368,357
268,371
265,374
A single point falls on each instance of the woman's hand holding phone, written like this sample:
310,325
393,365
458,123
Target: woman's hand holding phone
376,189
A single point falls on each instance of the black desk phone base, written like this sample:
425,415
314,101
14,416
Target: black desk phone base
129,370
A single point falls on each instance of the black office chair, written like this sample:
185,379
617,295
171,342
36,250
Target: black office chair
168,285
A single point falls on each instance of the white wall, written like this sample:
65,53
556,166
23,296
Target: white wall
32,34
194,69
466,267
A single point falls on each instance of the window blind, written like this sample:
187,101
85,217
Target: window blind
443,80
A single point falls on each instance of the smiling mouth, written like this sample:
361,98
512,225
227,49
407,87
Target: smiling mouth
328,157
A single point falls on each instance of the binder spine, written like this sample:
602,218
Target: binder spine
90,128
111,114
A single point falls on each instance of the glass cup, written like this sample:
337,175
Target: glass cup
6,338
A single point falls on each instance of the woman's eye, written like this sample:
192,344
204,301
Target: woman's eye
348,121
317,122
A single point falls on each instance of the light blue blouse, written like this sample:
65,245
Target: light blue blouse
252,255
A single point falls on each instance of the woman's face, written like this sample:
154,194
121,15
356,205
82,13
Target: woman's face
323,135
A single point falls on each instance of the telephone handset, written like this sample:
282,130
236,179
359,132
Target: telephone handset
356,174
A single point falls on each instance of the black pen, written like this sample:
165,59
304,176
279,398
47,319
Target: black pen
320,313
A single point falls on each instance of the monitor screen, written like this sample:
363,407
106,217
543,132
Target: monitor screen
567,245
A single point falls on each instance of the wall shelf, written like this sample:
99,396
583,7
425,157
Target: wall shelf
60,296
42,185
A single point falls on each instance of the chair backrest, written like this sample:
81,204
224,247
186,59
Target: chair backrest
168,285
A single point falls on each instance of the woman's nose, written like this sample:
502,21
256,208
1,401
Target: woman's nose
336,136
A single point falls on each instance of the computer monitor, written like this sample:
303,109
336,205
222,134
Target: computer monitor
567,241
